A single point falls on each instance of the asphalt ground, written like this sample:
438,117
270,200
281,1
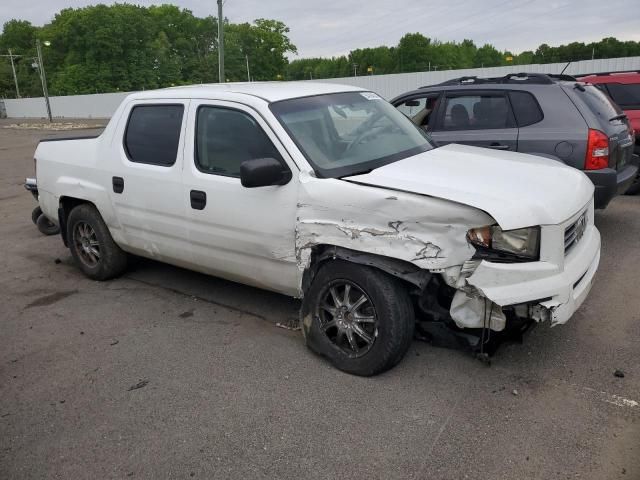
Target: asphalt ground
166,373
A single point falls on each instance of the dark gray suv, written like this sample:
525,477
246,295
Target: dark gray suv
553,116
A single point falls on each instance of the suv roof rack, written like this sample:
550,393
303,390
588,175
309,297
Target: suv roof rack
531,78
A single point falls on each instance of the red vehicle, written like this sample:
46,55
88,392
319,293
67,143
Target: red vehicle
624,89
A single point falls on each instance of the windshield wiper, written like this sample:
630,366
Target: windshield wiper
622,116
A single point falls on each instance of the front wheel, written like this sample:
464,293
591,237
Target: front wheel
92,246
358,317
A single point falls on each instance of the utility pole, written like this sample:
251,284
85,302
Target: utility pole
43,78
13,69
248,75
220,43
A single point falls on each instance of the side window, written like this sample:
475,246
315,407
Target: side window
411,107
153,134
477,112
419,110
225,138
525,108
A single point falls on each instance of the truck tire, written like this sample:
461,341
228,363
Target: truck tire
35,214
92,246
46,226
358,317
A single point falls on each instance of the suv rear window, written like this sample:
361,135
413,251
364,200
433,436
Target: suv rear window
153,134
598,102
627,96
525,108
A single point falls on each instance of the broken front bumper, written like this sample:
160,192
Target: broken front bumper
554,289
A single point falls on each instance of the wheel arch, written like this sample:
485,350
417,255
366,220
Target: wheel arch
409,273
67,204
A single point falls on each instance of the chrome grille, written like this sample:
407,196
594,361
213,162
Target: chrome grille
574,232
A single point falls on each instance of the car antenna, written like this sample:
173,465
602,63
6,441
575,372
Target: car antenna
566,66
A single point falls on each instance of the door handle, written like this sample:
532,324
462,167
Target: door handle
118,184
198,199
499,146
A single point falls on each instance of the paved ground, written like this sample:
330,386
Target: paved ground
225,394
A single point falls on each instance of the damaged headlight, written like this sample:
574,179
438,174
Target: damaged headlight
495,244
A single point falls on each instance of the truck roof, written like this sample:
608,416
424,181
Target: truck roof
267,91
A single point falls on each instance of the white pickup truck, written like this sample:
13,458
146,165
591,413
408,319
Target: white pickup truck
327,193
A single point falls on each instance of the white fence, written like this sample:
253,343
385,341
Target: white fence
100,105
103,105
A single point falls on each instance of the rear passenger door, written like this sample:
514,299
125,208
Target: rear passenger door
145,180
478,118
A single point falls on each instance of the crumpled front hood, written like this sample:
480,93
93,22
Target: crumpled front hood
517,190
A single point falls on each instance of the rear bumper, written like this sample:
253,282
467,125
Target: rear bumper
609,182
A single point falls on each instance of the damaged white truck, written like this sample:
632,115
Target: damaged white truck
328,193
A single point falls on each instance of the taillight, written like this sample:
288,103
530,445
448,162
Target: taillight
597,156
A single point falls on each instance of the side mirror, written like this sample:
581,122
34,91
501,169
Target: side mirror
412,103
263,172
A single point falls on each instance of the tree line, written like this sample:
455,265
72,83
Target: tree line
418,53
126,47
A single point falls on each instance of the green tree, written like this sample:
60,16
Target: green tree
413,53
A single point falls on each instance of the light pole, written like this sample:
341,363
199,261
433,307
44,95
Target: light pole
13,69
43,76
220,43
248,75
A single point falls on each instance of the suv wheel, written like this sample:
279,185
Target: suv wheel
360,318
92,246
635,186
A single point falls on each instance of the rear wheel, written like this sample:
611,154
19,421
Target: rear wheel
92,246
360,318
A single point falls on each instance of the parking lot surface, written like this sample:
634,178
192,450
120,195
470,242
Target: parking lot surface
166,373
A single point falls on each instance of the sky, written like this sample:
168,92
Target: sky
334,27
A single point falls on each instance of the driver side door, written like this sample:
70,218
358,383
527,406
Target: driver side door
242,234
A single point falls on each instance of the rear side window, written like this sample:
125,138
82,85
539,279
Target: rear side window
626,96
225,138
153,134
525,108
477,112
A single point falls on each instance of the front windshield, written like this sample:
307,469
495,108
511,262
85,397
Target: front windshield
345,134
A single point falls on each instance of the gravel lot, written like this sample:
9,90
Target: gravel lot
166,373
